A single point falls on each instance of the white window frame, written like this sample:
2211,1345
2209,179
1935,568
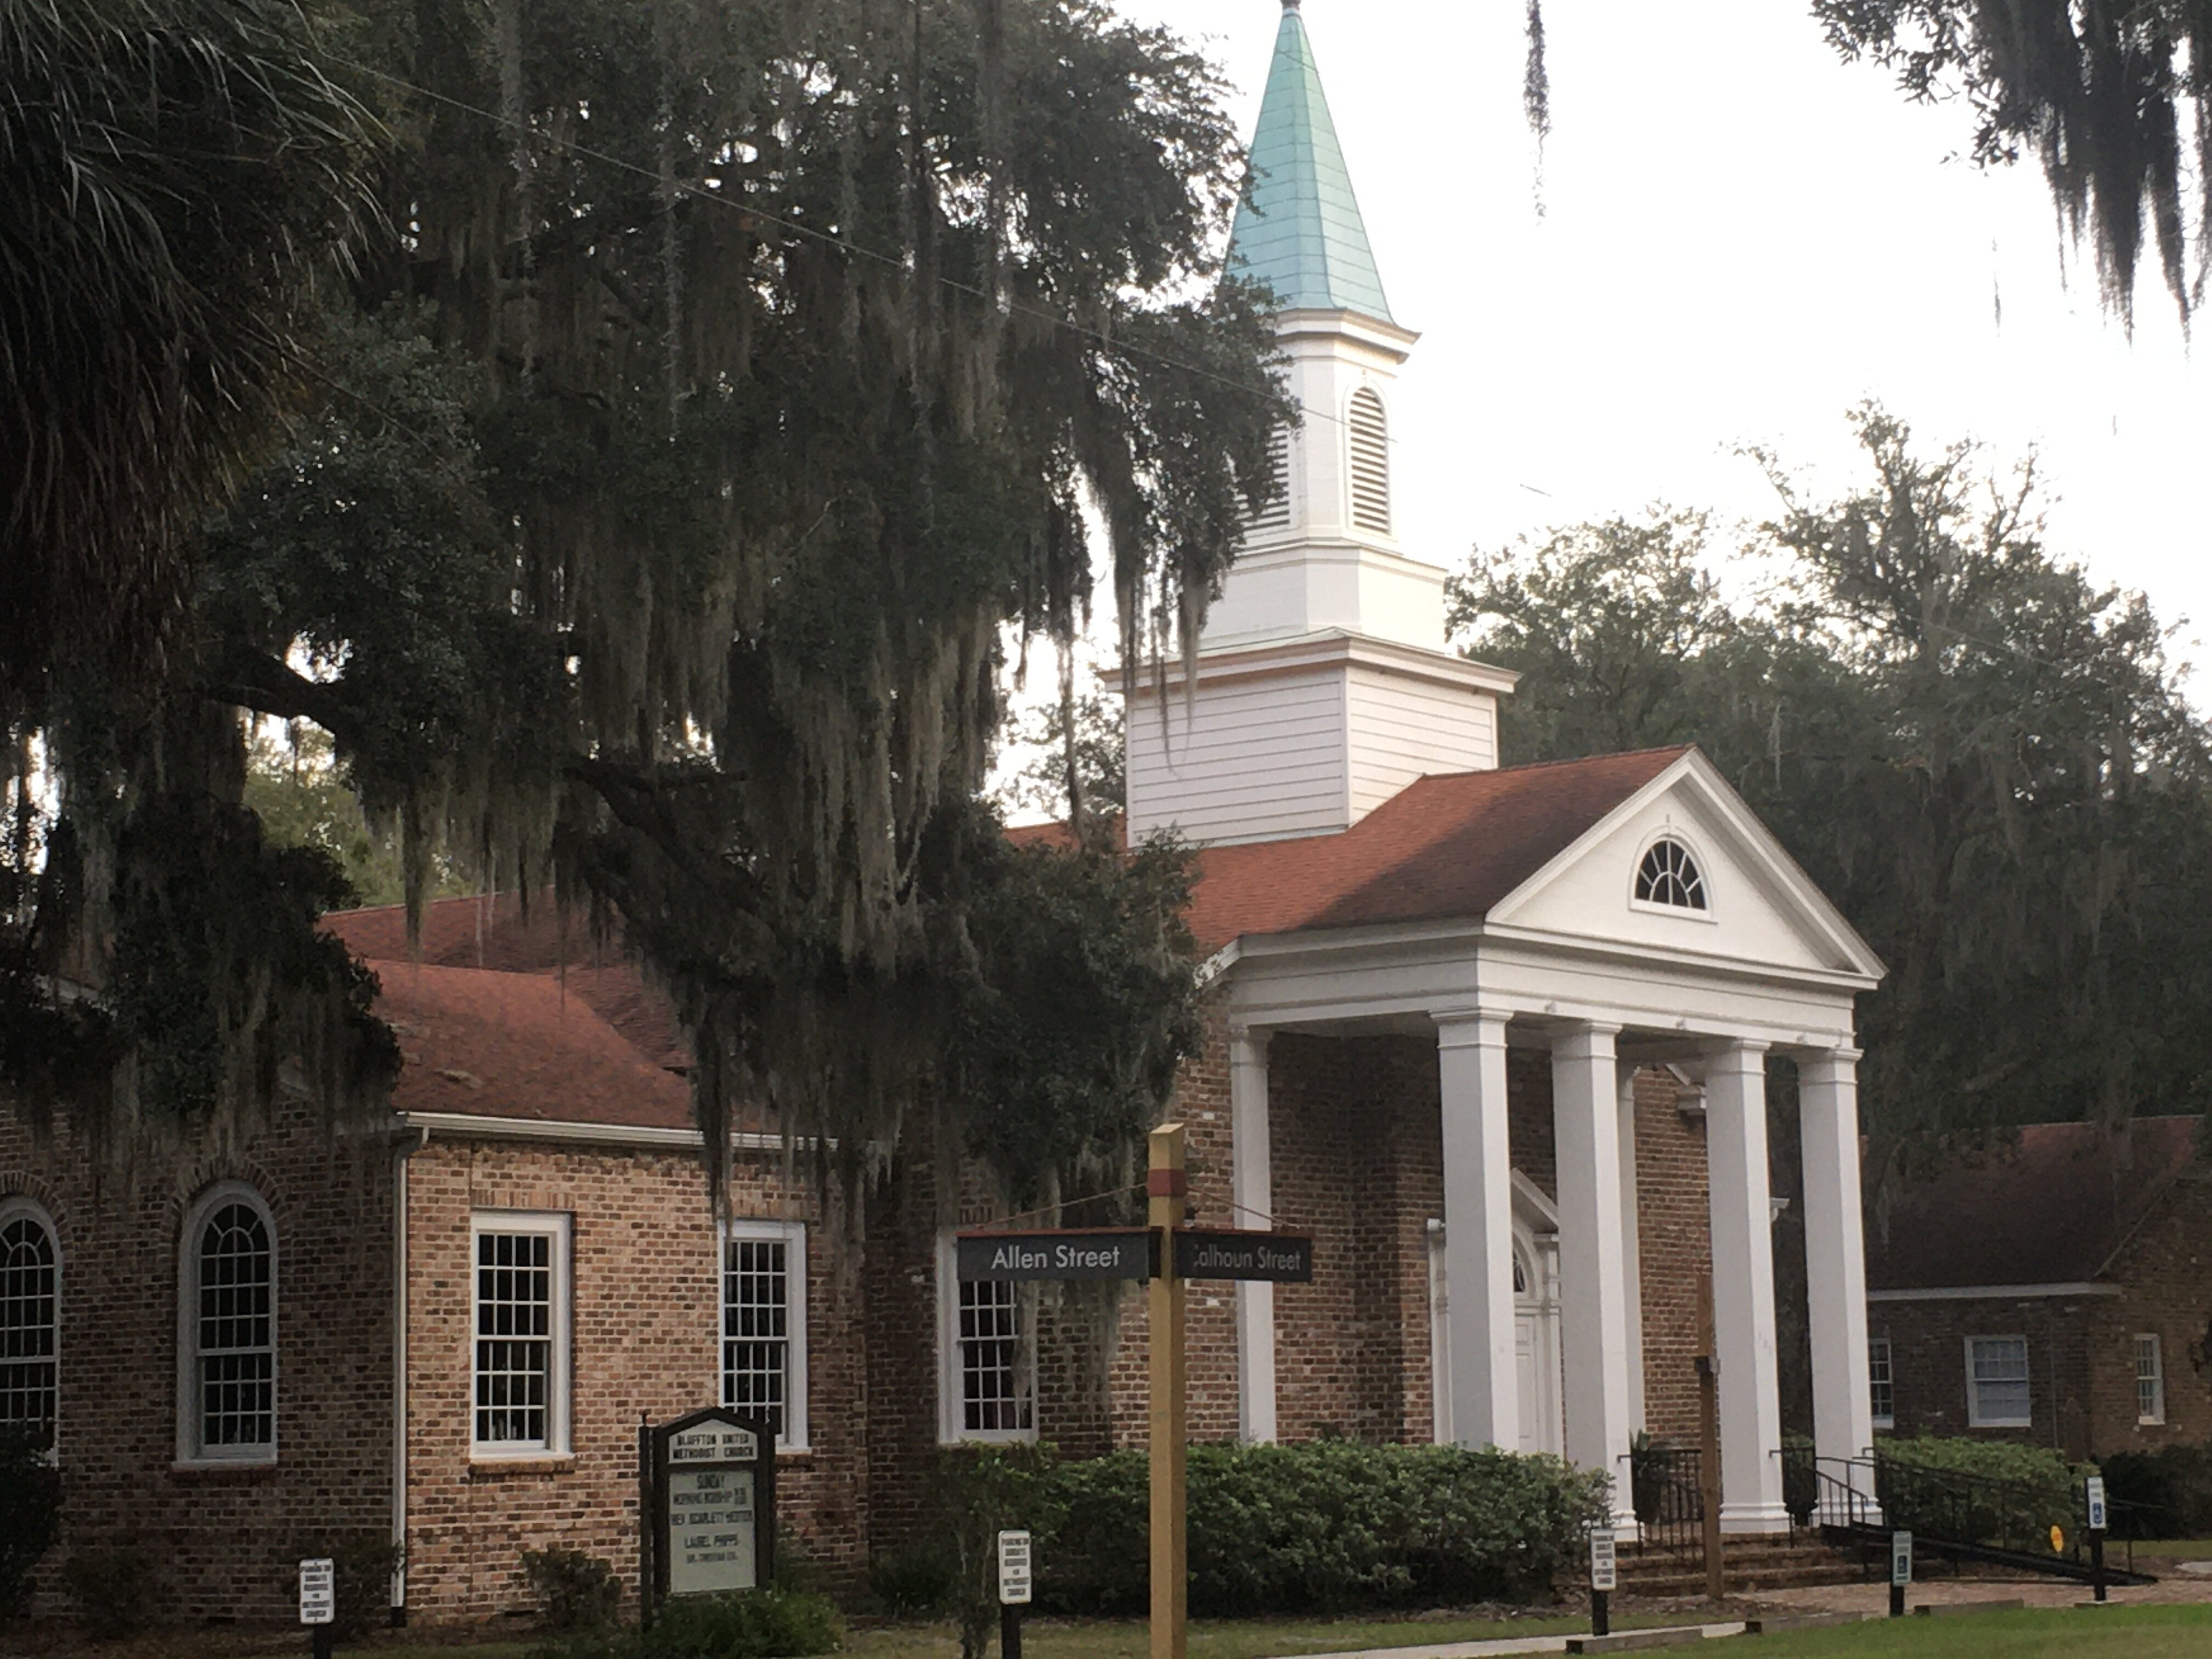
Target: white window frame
1976,1417
2147,1345
1886,1378
1698,857
20,1206
559,1226
952,1427
791,1235
190,1448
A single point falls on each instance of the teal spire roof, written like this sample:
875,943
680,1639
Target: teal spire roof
1298,228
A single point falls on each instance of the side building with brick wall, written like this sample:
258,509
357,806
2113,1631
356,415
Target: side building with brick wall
2052,1288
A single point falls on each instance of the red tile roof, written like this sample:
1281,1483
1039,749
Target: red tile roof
506,1014
2049,1209
1442,848
515,1045
494,932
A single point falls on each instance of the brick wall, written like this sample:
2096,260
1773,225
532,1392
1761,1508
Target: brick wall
1928,1364
1674,1239
2164,1273
645,1290
221,1543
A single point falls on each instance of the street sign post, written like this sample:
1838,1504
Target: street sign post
2098,1521
1282,1258
318,1601
1900,1571
1104,1252
1013,1591
706,1505
1167,1256
1605,1576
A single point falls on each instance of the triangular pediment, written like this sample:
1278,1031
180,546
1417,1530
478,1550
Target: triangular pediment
1759,907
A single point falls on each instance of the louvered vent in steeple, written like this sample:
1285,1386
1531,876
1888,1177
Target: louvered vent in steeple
1370,464
1276,515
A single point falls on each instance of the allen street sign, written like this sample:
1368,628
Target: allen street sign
1286,1258
1108,1253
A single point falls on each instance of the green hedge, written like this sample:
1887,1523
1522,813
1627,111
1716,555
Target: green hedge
1327,1527
2166,1494
2047,1489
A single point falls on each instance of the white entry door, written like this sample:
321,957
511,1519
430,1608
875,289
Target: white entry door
1525,1347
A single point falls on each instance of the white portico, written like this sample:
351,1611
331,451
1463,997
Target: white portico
1368,870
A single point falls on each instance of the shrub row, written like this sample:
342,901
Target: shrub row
2166,1494
1327,1527
2039,1488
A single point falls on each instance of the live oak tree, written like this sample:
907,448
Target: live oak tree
1983,758
722,384
2113,98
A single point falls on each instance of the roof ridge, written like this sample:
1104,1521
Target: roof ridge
1566,760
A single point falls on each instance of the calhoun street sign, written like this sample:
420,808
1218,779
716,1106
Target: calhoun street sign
1109,1253
1286,1258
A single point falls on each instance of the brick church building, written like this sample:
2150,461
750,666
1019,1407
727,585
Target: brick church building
1497,1038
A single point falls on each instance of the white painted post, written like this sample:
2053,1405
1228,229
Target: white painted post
1632,1252
1835,1252
1593,1283
1743,1291
1478,1228
1251,1183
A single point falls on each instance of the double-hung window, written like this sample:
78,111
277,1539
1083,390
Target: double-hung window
30,1319
1997,1382
988,1373
764,1324
227,1409
1881,1382
519,1373
2150,1380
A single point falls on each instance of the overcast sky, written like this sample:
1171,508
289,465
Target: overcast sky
1742,238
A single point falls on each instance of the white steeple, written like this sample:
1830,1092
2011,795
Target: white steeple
1324,683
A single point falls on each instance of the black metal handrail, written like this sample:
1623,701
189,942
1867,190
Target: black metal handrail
1666,1487
1948,1511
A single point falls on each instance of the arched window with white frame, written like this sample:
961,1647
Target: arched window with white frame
1368,441
1668,875
227,1387
30,1319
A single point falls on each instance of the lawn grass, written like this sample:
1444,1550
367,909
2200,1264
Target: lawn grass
1126,1638
2115,1632
2177,1549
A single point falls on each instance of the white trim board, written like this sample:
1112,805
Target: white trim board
1993,1293
614,1134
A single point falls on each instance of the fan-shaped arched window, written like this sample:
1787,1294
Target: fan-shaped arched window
30,1319
227,1411
1277,513
1668,875
1371,464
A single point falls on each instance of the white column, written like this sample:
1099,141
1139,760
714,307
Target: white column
1632,1246
1251,1184
1835,1252
1478,1228
1743,1291
1593,1282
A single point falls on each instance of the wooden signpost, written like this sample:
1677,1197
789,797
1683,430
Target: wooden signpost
1166,1254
